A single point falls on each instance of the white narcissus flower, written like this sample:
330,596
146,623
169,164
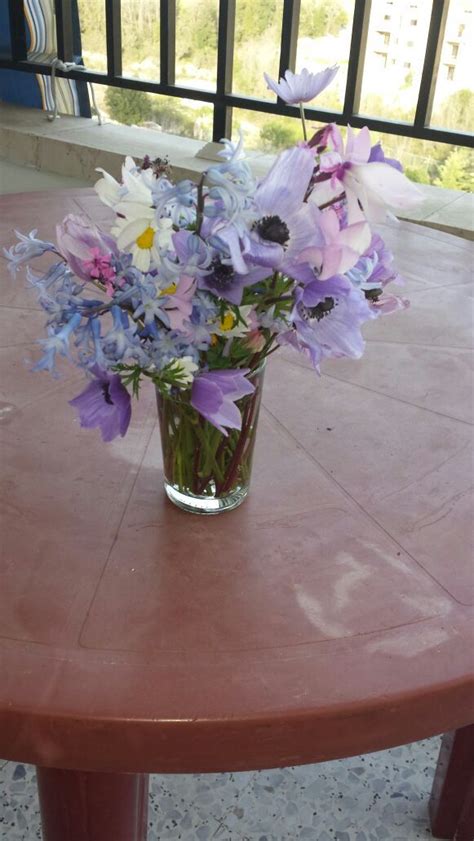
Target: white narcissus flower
183,369
230,327
137,229
108,189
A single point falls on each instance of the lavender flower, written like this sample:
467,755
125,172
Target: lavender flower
214,394
301,87
58,342
105,403
26,249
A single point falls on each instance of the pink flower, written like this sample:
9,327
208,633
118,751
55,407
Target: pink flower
100,268
87,250
255,340
340,249
387,304
371,184
179,305
301,87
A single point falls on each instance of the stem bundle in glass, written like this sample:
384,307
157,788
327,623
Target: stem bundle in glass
200,460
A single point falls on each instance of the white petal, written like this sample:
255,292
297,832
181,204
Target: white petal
384,182
141,258
129,232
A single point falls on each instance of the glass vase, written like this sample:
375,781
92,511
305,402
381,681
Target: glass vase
205,471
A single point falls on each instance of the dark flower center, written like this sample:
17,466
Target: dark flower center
319,311
274,229
221,277
106,393
373,294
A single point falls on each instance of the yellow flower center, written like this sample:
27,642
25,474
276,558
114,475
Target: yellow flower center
170,290
228,321
145,240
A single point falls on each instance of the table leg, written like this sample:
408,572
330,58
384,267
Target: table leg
91,806
452,797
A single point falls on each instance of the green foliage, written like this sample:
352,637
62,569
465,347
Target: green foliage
279,133
457,172
419,174
196,33
322,18
127,106
456,112
172,116
254,19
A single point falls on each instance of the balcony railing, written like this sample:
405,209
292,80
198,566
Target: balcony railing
222,98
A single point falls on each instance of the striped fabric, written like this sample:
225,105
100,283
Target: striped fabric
72,97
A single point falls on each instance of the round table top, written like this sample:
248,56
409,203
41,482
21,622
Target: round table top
331,614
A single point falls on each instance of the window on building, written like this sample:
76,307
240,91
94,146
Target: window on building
407,64
454,50
386,38
450,72
387,17
409,43
413,23
383,58
461,30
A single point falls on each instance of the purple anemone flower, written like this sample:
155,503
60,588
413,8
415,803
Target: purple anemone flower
226,283
301,87
331,329
285,223
317,291
105,403
214,394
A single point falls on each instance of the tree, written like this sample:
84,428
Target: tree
254,19
418,173
196,34
127,106
278,134
321,18
457,172
173,117
456,112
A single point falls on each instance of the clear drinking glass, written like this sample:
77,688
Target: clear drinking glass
205,471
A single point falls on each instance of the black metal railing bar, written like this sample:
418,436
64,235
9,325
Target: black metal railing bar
222,99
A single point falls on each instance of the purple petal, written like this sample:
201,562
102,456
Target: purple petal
377,155
301,87
105,403
283,189
318,290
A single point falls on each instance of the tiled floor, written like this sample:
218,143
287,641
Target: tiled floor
378,797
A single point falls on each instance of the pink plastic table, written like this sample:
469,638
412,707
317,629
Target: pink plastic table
328,616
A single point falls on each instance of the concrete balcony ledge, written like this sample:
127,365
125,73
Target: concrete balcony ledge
71,148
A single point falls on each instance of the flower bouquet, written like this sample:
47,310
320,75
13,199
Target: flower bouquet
198,283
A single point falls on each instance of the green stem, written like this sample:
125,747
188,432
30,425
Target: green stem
200,203
303,121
